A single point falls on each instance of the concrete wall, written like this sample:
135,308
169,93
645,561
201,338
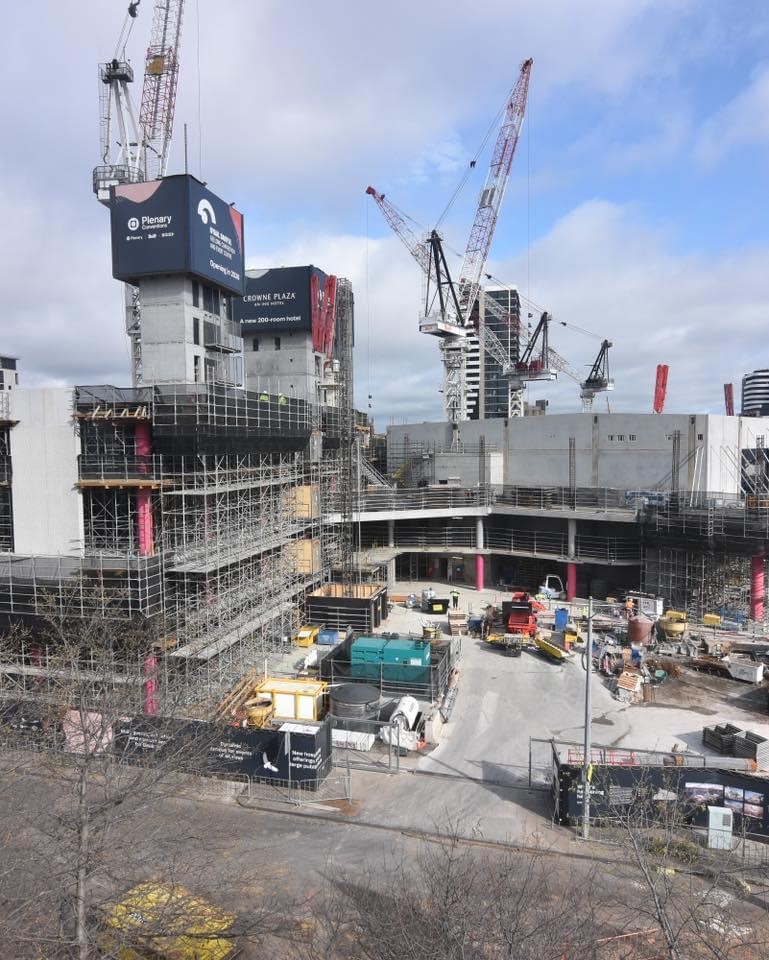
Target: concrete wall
630,451
47,506
169,351
294,370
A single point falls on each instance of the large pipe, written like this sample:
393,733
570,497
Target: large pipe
757,588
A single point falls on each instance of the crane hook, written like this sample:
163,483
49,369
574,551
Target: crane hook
133,8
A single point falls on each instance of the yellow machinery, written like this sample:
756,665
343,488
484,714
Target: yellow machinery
298,699
306,636
550,648
674,624
160,921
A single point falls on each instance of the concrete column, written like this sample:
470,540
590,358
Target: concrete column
479,533
390,533
144,522
391,573
571,580
572,538
757,588
479,571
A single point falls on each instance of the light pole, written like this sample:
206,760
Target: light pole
588,724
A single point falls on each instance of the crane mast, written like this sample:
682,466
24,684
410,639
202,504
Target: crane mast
134,151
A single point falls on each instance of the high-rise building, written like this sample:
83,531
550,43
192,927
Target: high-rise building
494,384
755,394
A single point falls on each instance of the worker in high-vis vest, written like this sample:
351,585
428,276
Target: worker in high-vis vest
454,598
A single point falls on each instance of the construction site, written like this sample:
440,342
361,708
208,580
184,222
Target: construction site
442,598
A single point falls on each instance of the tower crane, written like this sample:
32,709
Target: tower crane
598,380
452,321
135,151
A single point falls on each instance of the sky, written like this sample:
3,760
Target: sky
636,209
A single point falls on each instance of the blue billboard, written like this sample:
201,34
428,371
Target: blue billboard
281,300
176,225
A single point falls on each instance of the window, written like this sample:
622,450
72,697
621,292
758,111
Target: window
196,330
620,437
255,344
196,367
195,293
700,436
215,301
208,298
277,343
611,436
632,437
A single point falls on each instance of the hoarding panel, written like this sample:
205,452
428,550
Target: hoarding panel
176,226
216,239
149,228
281,300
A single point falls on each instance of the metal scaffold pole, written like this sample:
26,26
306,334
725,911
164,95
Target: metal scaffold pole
586,765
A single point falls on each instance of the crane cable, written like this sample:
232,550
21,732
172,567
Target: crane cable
471,166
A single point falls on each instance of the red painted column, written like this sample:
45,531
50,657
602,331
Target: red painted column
571,580
757,587
151,705
144,521
479,571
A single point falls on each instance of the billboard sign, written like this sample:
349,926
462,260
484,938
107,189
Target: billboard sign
281,300
176,226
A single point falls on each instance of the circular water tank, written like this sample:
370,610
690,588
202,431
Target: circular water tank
355,700
639,629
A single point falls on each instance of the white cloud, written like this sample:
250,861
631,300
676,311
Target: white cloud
742,122
603,269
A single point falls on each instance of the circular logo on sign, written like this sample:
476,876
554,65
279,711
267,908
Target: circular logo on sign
133,224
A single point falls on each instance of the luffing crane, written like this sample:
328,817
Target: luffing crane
598,380
452,320
138,150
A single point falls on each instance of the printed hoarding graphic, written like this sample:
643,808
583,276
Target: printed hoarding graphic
281,300
176,225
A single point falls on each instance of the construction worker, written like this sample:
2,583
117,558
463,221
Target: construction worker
629,608
454,598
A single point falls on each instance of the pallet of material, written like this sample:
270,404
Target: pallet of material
752,746
721,737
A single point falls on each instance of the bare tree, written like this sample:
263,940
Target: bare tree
93,758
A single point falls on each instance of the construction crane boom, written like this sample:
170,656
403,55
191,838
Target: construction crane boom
134,150
401,229
598,380
492,193
161,75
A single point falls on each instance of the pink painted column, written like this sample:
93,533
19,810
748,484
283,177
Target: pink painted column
757,587
151,705
144,521
479,571
571,580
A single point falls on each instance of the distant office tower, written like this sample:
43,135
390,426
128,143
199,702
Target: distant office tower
9,378
494,387
755,394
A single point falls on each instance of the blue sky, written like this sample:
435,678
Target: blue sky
636,208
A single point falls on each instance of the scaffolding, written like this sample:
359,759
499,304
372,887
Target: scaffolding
699,582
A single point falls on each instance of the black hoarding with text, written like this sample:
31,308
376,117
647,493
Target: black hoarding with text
176,225
281,300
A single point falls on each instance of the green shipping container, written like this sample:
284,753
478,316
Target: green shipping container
403,660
